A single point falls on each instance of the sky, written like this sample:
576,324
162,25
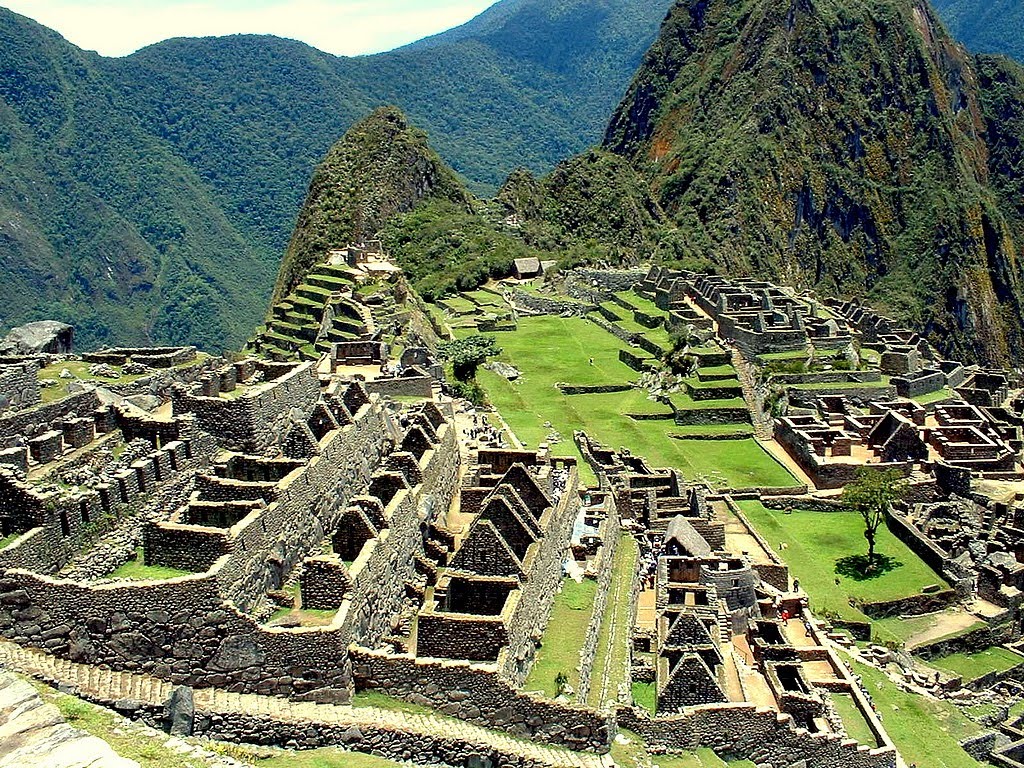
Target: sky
345,27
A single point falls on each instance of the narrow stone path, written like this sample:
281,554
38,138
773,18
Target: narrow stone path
107,686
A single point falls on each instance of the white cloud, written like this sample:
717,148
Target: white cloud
347,27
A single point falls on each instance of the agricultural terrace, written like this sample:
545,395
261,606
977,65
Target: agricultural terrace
556,350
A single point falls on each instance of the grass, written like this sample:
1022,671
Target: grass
80,370
369,698
4,541
816,540
926,731
548,350
681,401
645,695
613,639
563,638
934,397
137,570
130,742
642,303
971,666
853,719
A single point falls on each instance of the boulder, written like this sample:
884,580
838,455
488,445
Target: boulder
46,336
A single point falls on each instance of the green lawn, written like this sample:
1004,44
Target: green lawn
935,397
549,350
971,666
816,540
613,638
646,695
563,638
711,429
8,539
926,731
137,570
853,719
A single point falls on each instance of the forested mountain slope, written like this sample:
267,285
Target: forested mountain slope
149,198
849,145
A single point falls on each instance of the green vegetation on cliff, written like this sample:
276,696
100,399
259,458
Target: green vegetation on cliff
839,145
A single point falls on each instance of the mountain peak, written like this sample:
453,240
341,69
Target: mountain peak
833,144
380,168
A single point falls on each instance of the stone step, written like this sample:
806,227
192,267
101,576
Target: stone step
106,685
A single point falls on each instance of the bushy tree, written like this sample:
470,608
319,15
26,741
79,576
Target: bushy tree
467,354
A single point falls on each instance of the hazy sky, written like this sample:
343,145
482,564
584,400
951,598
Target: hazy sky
118,27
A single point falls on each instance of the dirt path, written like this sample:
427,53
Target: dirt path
779,454
942,624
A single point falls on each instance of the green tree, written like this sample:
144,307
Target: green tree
872,494
467,354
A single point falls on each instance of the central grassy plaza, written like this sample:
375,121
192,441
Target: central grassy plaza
550,351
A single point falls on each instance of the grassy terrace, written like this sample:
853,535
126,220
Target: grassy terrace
613,640
935,397
549,350
907,627
853,719
137,570
971,666
563,638
926,731
80,369
645,305
816,542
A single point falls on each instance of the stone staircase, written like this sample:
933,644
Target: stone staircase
748,384
107,687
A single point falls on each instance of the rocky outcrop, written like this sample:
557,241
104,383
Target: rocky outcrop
33,734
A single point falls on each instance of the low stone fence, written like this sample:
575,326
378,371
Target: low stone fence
475,693
603,389
698,417
548,306
758,734
589,649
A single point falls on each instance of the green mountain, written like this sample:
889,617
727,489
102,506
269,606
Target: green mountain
381,168
148,198
986,26
848,145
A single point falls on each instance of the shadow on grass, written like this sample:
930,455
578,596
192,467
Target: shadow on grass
856,567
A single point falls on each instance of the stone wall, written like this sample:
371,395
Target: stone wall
402,386
476,693
605,572
538,591
548,306
19,385
62,525
183,630
43,417
761,735
308,503
259,418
